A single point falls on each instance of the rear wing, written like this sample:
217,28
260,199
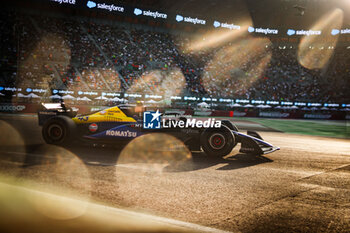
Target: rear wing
252,143
49,110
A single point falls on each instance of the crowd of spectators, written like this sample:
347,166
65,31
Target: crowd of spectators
8,49
75,53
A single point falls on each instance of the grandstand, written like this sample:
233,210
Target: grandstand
54,51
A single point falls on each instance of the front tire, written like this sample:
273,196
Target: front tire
217,142
230,125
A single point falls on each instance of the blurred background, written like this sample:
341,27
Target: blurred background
285,59
281,67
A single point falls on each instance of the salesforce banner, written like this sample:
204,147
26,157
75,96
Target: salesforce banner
340,31
148,13
70,2
292,32
104,6
187,19
265,31
110,6
230,26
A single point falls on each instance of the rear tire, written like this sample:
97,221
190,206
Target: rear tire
217,142
59,130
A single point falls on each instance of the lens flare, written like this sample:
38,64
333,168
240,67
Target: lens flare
18,215
98,79
169,151
215,38
164,83
236,67
233,23
309,53
57,171
146,164
47,62
12,149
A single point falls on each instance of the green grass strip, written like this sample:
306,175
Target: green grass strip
309,127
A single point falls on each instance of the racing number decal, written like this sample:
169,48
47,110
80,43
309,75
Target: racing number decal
85,118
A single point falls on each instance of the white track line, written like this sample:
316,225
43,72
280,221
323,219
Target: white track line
177,223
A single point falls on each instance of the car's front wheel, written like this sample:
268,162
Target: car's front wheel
217,142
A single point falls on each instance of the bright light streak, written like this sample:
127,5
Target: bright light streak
50,57
53,173
165,83
169,151
216,38
318,58
236,67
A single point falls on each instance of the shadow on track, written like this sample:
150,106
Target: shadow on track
244,160
202,161
97,156
108,156
38,154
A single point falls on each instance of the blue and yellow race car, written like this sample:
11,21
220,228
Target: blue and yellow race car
120,124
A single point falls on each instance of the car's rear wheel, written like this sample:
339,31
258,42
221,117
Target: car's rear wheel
58,130
217,142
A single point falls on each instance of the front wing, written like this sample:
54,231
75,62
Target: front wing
252,143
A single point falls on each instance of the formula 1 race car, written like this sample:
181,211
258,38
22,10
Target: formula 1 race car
120,124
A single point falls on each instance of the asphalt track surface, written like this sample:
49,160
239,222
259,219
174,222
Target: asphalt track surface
304,187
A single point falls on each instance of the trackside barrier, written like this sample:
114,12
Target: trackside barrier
295,114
